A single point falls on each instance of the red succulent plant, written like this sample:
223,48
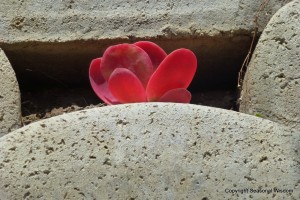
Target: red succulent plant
142,72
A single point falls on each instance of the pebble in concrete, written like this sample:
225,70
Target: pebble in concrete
150,151
272,83
10,107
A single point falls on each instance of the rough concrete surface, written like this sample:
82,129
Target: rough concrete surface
66,20
272,82
10,106
150,151
52,42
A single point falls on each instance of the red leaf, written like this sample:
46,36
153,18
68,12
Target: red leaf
178,95
127,56
176,71
126,87
99,84
156,54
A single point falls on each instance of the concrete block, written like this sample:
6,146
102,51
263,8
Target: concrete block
52,42
150,151
271,85
10,100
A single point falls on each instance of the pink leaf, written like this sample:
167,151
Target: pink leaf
99,84
178,95
127,56
156,54
176,71
126,87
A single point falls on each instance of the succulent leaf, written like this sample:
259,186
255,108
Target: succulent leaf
127,56
126,86
176,71
178,95
156,54
99,84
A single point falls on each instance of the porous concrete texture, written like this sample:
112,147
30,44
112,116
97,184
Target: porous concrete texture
272,83
10,102
150,151
57,20
52,42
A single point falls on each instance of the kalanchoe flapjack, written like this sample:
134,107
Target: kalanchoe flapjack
142,72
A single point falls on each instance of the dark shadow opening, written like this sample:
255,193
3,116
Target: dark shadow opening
54,75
